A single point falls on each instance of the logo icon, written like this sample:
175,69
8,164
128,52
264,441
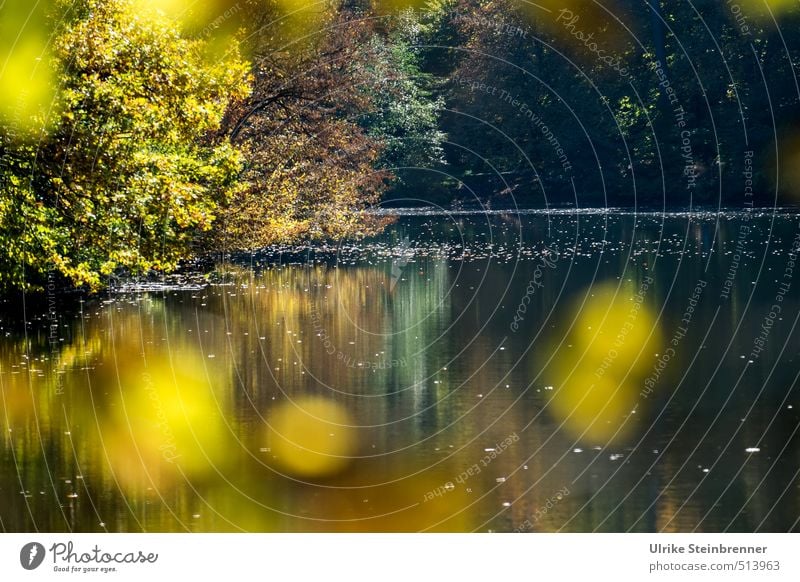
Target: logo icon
31,555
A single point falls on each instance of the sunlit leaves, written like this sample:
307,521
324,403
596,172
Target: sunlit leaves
131,170
598,366
768,9
26,76
390,6
310,165
163,423
405,114
311,437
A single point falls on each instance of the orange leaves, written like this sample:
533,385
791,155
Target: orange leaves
310,166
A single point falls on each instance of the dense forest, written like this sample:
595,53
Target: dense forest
636,104
137,133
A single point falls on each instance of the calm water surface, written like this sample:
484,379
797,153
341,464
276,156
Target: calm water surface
442,348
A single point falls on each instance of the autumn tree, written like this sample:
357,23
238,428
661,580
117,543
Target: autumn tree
309,166
132,168
326,124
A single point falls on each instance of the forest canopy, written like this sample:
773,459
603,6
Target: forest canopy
138,133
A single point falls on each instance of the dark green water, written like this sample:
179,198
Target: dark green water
150,411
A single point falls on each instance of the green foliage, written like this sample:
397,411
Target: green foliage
608,110
131,170
405,112
162,141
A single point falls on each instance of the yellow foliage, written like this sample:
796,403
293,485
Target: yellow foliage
613,326
311,437
165,422
596,373
27,83
593,408
767,9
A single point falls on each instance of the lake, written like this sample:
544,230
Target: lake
503,371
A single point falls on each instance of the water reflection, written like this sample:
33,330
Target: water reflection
381,386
